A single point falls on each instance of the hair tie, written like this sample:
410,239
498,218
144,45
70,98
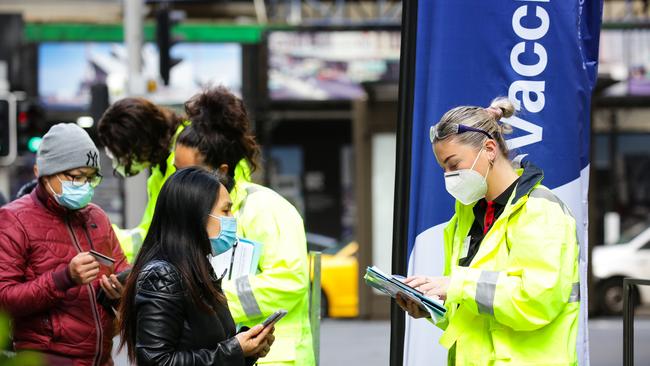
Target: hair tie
496,112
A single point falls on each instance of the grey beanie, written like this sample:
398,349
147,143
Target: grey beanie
64,147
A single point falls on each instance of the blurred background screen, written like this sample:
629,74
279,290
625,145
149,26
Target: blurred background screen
66,70
330,65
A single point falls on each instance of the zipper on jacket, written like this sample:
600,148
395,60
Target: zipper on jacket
93,303
85,230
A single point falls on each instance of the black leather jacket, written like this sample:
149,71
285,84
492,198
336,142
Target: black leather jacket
172,330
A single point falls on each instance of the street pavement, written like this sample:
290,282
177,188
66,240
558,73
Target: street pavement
354,342
359,342
367,342
606,341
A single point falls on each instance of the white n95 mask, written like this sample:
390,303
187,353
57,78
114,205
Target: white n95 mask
467,185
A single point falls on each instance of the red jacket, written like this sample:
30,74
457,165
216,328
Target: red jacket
52,314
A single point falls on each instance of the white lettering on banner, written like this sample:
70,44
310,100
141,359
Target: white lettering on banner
528,70
528,88
535,133
528,94
530,34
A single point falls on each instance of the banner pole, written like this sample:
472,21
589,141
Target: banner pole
403,170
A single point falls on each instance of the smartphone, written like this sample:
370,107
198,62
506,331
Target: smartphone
122,276
102,259
274,318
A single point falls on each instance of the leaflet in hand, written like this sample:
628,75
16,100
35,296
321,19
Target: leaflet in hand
238,261
391,286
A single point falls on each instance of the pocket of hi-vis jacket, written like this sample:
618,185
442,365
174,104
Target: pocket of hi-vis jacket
283,349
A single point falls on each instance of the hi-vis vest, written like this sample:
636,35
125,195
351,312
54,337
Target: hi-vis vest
283,282
131,239
518,301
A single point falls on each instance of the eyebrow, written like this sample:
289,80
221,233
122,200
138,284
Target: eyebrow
448,157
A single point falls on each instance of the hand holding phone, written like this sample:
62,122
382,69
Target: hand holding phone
257,341
274,318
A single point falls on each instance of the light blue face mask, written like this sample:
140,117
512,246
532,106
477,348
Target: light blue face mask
73,197
227,236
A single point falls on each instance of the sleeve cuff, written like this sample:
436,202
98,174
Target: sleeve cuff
235,347
456,282
62,279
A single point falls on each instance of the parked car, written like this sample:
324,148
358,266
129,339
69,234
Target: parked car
339,276
340,283
611,263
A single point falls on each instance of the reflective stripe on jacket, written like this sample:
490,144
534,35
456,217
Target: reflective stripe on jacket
131,239
518,301
283,281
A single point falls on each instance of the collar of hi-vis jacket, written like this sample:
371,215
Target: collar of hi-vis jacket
530,176
242,178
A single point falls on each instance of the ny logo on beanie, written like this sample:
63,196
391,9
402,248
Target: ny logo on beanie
92,159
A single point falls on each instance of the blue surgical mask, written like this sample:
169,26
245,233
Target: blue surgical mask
227,236
73,197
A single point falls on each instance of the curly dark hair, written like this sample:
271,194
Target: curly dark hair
220,129
134,129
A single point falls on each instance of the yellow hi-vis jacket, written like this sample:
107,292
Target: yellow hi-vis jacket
283,278
131,239
518,301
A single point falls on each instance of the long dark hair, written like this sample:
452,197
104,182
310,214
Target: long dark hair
220,129
134,129
178,236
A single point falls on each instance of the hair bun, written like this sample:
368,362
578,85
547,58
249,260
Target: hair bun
220,129
502,105
217,110
496,113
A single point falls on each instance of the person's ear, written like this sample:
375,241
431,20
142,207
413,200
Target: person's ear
492,150
35,170
223,169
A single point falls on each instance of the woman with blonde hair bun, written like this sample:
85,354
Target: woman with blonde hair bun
511,278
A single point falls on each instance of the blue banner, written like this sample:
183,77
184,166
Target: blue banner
542,54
